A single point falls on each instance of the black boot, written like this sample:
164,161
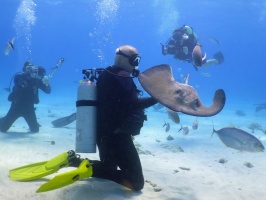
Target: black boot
75,161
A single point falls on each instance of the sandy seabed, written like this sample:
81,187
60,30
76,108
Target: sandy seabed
189,167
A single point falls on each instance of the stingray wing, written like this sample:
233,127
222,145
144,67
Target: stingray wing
159,82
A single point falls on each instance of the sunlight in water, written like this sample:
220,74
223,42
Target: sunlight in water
169,15
106,16
107,10
25,18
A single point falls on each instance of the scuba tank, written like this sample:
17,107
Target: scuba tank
86,112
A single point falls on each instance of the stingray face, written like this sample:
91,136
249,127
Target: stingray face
186,95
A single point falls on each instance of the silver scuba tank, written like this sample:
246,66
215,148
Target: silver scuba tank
86,117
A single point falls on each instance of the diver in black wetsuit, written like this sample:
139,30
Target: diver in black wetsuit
120,115
182,43
24,95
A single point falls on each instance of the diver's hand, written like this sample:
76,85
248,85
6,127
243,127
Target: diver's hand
185,37
46,80
185,50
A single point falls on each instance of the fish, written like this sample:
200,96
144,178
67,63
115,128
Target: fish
173,116
260,107
206,74
7,89
195,124
197,58
157,106
214,41
9,46
185,130
107,37
239,139
186,79
167,126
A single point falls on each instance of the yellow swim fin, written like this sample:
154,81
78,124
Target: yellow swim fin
41,169
83,171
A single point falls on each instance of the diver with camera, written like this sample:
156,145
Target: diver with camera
24,95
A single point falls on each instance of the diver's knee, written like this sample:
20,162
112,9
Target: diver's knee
35,130
138,186
137,183
3,128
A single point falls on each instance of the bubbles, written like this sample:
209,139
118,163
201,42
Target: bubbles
107,11
106,17
263,12
169,16
25,18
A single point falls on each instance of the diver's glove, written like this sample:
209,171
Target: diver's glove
164,49
46,80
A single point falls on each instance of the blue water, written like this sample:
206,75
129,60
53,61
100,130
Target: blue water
86,34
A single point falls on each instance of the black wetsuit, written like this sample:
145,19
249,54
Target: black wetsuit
175,44
118,101
23,97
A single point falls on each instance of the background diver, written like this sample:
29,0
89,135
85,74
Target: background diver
24,95
182,44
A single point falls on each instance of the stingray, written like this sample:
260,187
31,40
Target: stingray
64,120
159,82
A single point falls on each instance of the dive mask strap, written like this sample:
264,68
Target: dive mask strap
135,73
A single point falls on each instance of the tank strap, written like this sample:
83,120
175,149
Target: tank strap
86,103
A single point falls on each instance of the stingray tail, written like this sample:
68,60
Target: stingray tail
180,128
213,130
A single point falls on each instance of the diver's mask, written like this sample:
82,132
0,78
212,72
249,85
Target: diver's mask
33,72
36,72
133,60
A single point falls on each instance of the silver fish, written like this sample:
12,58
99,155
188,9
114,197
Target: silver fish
195,124
214,40
186,79
9,46
185,130
173,116
238,139
167,126
157,106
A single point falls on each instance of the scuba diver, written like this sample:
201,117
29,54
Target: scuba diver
182,44
24,95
